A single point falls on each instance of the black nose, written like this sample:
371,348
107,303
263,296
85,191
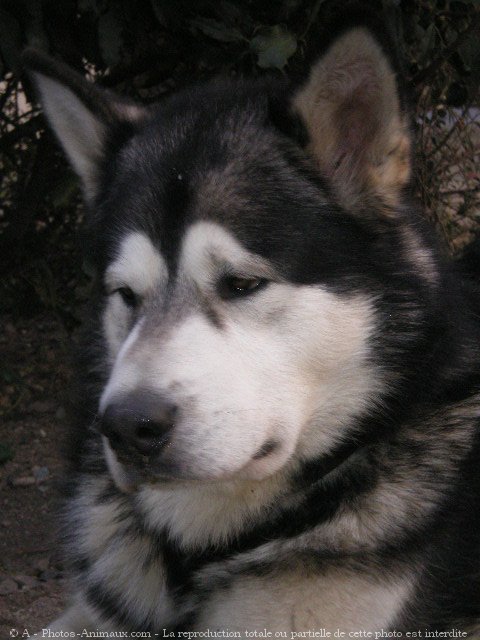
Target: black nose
144,426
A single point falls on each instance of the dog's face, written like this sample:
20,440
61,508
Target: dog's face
244,267
233,358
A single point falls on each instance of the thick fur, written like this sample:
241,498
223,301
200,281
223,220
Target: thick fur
320,468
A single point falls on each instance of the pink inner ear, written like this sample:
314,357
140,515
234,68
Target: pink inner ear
356,89
351,106
357,123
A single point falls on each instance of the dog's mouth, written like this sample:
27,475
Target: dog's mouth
130,469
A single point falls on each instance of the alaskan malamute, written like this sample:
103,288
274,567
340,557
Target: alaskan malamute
282,374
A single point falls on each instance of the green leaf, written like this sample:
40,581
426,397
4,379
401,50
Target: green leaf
216,30
273,46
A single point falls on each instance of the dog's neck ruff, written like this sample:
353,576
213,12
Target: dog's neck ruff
311,497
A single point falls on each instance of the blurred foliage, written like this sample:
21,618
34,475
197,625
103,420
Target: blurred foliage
148,48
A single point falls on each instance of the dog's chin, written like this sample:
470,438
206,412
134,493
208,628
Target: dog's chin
128,477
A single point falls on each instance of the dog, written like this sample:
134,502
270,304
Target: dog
281,375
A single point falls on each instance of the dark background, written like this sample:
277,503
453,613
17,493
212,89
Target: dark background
146,49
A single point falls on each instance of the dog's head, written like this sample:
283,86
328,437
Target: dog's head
248,237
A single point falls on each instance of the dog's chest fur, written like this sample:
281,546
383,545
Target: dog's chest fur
133,578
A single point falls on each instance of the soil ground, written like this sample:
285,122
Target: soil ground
34,382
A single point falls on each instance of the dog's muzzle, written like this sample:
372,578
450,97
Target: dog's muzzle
136,424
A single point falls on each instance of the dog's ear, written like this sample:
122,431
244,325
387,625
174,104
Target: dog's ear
81,114
358,133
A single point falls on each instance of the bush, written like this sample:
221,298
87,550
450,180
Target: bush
148,48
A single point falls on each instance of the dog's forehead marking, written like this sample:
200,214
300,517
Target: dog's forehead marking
209,248
138,265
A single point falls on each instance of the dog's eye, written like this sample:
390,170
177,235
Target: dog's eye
129,298
234,287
